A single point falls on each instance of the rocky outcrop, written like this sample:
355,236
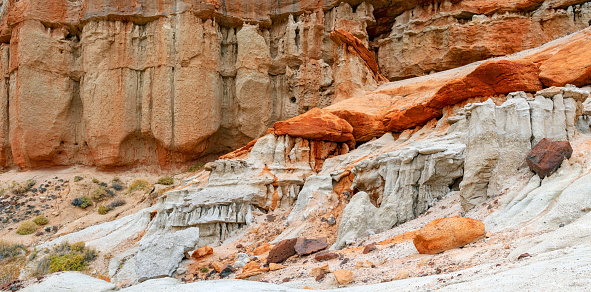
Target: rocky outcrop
317,124
160,254
444,234
113,85
426,37
547,156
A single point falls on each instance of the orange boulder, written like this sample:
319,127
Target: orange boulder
202,251
444,234
316,124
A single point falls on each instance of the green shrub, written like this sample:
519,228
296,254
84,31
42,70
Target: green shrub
96,181
68,262
103,210
77,246
116,180
99,194
139,185
27,227
40,220
204,270
78,178
82,202
166,180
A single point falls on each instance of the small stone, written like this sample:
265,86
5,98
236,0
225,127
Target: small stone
217,266
343,276
400,276
274,266
285,280
181,270
308,288
369,248
363,264
561,225
319,277
239,246
250,267
325,255
523,255
331,220
320,271
39,233
227,271
242,260
507,247
488,234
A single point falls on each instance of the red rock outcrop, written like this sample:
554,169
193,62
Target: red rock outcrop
316,124
444,234
547,156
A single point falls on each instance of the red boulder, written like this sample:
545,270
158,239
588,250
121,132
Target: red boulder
547,156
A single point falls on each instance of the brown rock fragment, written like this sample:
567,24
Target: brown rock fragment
547,156
444,234
262,249
306,246
282,251
325,256
369,248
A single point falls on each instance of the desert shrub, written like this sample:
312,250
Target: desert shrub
78,178
40,220
22,188
116,180
116,186
166,180
27,227
10,250
12,259
82,202
77,246
65,257
99,194
139,185
68,262
96,181
116,203
204,270
103,210
196,167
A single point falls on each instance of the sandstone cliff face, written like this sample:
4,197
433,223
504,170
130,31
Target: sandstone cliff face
160,83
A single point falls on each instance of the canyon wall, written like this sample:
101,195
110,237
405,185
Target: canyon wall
163,83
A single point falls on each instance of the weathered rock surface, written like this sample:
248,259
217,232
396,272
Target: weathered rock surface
316,124
547,156
282,251
71,281
305,246
444,234
124,84
160,254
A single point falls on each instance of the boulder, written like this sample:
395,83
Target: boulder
316,124
202,251
306,246
160,254
444,234
547,156
344,276
282,251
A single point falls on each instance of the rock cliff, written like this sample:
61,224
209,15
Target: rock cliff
162,83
